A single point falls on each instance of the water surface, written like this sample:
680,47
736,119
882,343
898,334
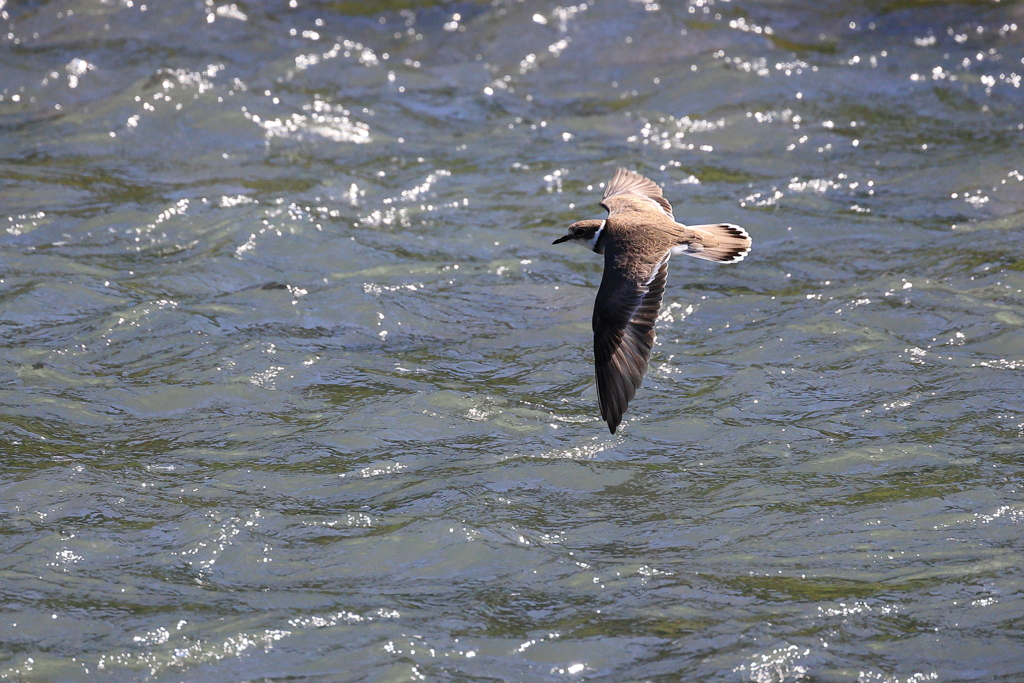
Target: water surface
294,385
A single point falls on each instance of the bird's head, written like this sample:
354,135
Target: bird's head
586,233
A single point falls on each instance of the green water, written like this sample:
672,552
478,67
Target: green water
293,385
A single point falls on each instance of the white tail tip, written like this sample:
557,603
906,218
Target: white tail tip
733,243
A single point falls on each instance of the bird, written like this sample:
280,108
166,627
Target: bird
637,239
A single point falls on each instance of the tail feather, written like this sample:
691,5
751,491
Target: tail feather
733,243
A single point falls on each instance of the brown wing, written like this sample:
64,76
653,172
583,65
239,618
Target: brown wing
630,191
624,317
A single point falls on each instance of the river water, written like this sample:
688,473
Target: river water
295,387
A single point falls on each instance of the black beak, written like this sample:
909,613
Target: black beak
563,238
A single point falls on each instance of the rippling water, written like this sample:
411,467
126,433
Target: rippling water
294,385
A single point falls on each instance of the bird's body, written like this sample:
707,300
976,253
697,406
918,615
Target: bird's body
637,240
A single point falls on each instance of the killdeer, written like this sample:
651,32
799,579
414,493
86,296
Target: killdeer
637,239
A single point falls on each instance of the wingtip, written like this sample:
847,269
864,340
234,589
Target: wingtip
612,417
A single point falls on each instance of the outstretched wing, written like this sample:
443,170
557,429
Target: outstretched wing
630,191
624,317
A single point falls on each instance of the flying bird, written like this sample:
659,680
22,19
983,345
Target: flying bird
637,239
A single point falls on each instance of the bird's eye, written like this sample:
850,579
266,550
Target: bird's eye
579,231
